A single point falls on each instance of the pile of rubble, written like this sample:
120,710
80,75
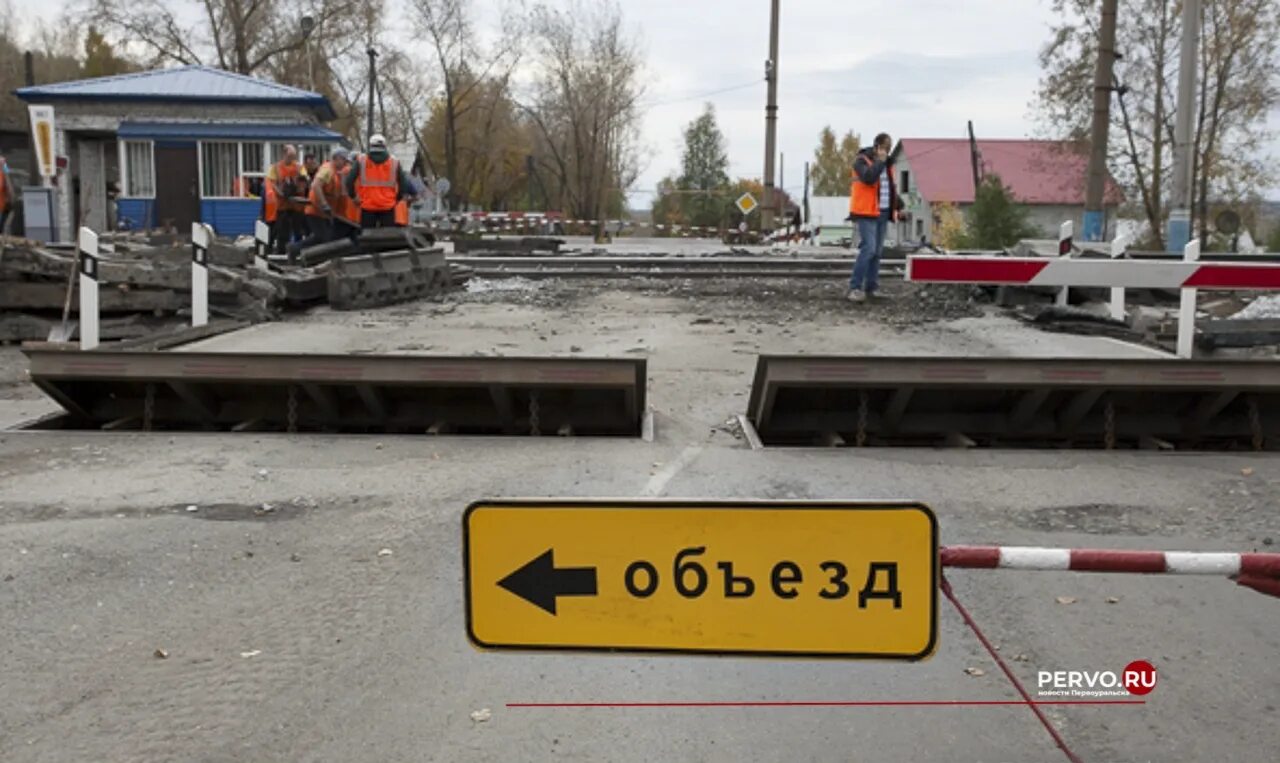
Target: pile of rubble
145,281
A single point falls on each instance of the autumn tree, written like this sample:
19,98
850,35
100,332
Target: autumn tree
100,59
474,80
833,163
1238,85
584,106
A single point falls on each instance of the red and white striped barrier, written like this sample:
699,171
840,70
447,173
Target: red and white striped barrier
1040,271
1259,571
1064,271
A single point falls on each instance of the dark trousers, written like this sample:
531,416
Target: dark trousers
385,219
321,233
344,229
289,226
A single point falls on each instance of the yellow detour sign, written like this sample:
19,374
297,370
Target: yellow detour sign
809,579
746,202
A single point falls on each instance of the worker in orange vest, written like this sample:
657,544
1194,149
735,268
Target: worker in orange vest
6,195
285,192
326,199
873,202
378,183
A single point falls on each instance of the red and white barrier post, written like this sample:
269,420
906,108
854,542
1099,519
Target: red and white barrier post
87,247
1066,232
1258,571
261,240
1187,309
201,237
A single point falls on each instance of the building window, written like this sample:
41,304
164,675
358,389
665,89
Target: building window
906,181
220,170
919,228
253,168
139,170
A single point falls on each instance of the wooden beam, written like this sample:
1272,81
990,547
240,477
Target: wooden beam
199,399
374,400
1026,407
897,405
1078,408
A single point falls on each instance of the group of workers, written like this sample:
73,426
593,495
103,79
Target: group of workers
312,203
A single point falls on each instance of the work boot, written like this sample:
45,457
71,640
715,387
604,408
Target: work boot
856,295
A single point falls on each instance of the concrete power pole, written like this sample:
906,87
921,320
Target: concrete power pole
373,86
1179,229
769,207
1095,218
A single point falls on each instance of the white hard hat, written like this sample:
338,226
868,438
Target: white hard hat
377,141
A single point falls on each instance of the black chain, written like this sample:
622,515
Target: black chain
533,414
293,409
149,407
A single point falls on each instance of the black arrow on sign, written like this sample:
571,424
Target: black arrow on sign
539,582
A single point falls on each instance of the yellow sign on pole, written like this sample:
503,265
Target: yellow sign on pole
807,579
746,202
42,129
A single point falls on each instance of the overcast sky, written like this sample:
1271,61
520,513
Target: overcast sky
909,67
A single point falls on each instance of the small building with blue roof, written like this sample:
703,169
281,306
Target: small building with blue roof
182,145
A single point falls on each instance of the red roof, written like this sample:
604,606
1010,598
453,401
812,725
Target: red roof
1037,171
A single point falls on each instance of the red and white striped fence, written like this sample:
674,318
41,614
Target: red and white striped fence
1259,571
1064,271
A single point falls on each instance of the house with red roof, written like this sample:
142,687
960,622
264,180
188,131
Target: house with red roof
1048,177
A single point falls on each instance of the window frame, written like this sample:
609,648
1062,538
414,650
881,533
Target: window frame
125,166
239,166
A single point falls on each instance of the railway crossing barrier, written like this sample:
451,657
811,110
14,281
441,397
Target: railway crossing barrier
87,244
1116,272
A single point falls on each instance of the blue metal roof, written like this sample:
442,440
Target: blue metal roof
227,131
182,84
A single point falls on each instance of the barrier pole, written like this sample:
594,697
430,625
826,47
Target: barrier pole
201,236
1065,233
87,245
261,238
1187,310
1117,292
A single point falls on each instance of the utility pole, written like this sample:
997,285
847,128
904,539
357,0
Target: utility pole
373,81
1179,228
33,164
1095,219
769,207
973,160
806,193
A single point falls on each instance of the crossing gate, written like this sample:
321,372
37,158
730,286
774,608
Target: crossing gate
342,393
1016,402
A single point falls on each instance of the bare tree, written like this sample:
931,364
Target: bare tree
242,36
584,106
1239,81
472,76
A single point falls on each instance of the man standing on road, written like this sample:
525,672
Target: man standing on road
873,202
284,189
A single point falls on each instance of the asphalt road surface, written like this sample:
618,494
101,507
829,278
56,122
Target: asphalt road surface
207,597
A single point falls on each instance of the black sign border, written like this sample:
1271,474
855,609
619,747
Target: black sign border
665,503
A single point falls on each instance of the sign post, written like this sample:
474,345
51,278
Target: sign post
746,203
45,148
1065,233
808,579
201,237
261,239
87,245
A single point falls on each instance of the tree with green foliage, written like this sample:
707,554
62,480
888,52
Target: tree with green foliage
1273,241
832,165
699,195
996,220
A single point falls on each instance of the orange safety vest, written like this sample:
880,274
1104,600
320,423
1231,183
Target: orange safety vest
287,175
347,208
402,213
376,184
864,198
330,188
4,190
